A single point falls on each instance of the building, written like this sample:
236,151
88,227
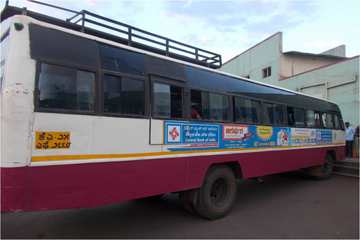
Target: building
328,75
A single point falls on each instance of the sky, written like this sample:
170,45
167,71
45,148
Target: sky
230,27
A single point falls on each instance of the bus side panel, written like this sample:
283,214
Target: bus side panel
13,188
340,153
251,165
94,184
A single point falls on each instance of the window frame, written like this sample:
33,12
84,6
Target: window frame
123,75
263,112
170,82
320,121
230,118
266,72
37,108
246,98
332,120
303,113
339,122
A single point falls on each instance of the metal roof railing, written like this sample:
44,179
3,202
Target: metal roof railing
132,36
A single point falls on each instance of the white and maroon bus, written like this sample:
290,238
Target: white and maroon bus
89,118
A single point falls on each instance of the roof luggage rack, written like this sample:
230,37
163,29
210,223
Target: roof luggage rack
122,33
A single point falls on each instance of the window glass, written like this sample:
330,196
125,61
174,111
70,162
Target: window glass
327,120
266,72
246,110
337,122
66,88
312,118
295,117
124,95
209,106
168,101
204,79
274,114
120,60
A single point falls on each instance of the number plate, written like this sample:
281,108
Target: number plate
52,140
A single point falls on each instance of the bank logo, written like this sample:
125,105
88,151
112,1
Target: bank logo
174,134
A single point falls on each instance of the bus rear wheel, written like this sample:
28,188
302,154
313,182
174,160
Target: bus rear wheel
217,193
327,167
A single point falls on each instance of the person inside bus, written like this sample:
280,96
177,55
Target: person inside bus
195,114
238,115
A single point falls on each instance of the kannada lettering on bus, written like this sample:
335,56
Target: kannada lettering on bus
52,140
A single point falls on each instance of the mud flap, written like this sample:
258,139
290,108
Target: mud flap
314,171
190,196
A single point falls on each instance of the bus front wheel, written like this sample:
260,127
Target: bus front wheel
327,167
217,193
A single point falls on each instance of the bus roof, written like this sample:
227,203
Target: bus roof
73,28
125,34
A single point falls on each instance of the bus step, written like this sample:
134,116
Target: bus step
345,170
346,175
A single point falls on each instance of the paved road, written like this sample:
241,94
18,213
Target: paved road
287,205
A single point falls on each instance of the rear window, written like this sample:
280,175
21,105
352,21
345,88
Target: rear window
66,88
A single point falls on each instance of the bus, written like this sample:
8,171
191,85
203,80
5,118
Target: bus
90,118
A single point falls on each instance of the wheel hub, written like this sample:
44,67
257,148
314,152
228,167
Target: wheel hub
218,192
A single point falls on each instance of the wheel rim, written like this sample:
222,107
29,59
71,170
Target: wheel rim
219,191
326,166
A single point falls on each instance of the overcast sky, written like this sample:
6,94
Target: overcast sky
231,27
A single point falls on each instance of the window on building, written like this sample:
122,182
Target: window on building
209,106
124,95
274,114
168,101
295,117
246,111
66,88
266,72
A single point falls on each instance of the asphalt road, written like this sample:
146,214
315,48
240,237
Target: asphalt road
287,205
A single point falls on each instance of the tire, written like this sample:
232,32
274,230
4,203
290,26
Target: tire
217,193
153,198
327,167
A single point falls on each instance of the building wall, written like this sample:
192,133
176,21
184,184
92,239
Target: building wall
251,62
295,64
338,83
336,51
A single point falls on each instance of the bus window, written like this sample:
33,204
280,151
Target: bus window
168,101
210,106
246,111
66,88
295,117
124,95
327,120
273,114
337,122
312,118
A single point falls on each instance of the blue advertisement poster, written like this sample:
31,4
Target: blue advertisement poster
324,136
202,136
196,134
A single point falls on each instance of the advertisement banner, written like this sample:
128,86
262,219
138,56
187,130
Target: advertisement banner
202,136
